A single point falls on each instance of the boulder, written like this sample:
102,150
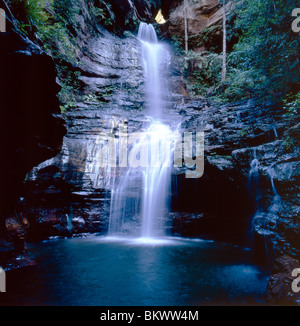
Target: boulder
280,290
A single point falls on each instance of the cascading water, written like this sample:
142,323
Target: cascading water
276,201
275,132
154,58
264,221
253,181
139,199
254,188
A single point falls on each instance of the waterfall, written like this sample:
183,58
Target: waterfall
253,180
155,59
264,221
276,201
237,118
275,132
147,33
140,196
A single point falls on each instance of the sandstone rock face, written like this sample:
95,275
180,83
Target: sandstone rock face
31,128
111,93
201,15
234,135
143,10
69,194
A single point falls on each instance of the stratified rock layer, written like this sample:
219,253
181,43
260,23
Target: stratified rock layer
69,194
31,128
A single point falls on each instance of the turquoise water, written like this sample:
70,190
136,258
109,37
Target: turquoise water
101,271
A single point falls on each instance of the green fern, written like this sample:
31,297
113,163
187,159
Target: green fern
31,14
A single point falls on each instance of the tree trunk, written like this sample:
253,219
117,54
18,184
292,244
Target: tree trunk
224,67
186,28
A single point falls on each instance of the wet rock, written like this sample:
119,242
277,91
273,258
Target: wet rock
111,76
191,224
56,207
279,290
6,251
201,15
283,168
31,127
19,261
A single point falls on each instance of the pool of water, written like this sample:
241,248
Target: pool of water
102,271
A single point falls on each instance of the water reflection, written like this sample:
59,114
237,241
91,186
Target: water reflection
101,271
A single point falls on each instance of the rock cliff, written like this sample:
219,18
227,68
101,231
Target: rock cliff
69,194
204,20
31,126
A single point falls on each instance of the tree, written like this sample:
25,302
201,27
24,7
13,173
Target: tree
268,48
224,65
186,28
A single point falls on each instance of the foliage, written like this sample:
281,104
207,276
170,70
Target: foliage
177,42
292,105
102,11
54,24
69,86
30,14
240,84
268,46
264,61
209,39
201,71
289,144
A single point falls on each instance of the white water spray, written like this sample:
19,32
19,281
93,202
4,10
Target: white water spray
140,198
155,61
276,201
253,180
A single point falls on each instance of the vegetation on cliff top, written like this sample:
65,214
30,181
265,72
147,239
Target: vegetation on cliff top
263,58
54,25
